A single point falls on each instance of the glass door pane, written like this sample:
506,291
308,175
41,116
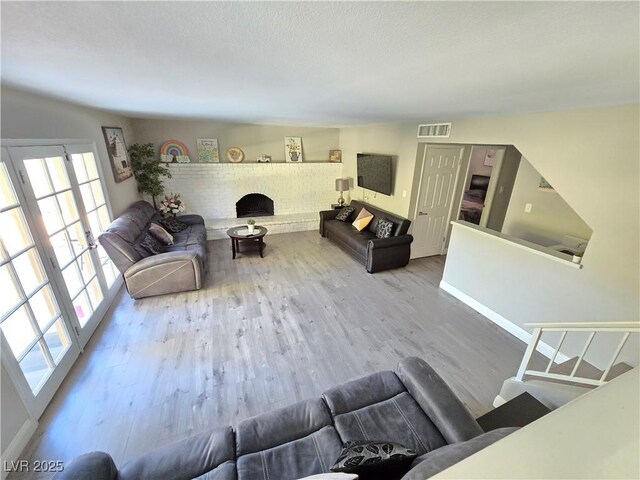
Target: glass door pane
30,317
68,235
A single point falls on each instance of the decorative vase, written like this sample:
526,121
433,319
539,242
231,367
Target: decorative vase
293,156
251,228
577,258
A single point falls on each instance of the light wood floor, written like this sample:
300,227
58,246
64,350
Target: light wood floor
263,333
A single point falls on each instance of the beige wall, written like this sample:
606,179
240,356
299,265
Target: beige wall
29,116
591,157
254,140
550,218
13,412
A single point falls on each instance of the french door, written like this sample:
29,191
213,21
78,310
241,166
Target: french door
53,207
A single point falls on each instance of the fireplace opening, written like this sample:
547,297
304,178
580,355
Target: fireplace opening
254,205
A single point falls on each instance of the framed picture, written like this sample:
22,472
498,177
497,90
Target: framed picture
490,158
118,156
293,149
208,150
335,156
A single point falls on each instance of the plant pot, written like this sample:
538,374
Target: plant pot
251,228
577,258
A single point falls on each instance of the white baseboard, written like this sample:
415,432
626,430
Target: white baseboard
17,445
502,322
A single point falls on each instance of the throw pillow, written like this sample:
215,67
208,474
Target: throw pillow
161,234
345,213
384,228
151,244
173,224
356,456
363,219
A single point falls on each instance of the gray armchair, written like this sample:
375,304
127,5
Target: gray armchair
181,268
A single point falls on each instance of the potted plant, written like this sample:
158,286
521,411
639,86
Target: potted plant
251,225
171,205
147,170
577,257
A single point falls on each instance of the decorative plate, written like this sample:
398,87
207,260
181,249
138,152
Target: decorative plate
235,155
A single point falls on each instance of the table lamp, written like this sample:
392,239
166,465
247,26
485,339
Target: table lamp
342,185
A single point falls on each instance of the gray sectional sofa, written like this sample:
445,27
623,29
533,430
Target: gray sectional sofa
375,253
180,268
412,406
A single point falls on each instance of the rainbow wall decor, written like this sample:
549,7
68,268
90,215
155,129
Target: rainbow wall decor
174,149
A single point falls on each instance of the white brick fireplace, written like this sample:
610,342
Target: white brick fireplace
299,191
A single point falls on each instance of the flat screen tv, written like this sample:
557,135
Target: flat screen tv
374,172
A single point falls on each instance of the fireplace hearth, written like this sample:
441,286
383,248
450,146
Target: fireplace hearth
254,205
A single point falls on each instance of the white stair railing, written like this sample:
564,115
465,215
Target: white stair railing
625,329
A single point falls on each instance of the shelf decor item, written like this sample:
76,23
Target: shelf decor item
117,149
235,155
208,150
342,185
293,149
174,151
251,225
335,156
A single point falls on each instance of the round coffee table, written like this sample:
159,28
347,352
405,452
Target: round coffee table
237,236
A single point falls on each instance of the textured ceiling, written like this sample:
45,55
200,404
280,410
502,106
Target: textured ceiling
324,63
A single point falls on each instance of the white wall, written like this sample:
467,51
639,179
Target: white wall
595,436
254,140
550,218
29,116
591,157
14,414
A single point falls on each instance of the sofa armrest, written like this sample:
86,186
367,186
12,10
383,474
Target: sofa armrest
327,215
94,465
164,273
183,460
438,401
436,461
376,243
191,219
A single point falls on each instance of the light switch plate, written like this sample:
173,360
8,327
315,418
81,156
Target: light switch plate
527,208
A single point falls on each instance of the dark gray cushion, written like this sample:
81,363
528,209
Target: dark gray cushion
173,225
185,459
309,455
378,408
94,466
356,457
226,471
349,236
151,244
435,462
345,213
192,235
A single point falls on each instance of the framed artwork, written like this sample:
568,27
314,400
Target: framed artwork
208,150
490,158
118,155
174,151
545,186
335,156
293,149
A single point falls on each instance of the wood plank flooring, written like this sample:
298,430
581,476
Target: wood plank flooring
263,333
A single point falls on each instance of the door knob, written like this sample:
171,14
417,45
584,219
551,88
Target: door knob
423,213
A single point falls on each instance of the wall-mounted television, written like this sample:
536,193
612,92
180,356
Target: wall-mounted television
374,172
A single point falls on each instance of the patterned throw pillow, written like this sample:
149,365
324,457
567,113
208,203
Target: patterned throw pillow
355,456
363,219
151,244
173,224
161,234
345,213
384,228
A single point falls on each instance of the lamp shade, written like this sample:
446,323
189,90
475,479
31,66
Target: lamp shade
342,184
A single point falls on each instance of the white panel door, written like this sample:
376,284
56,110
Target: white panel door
440,166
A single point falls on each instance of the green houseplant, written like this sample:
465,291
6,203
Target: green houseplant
251,224
147,170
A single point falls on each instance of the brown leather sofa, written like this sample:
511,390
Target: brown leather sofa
180,268
375,253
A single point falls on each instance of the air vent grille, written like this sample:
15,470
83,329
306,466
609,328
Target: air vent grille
434,130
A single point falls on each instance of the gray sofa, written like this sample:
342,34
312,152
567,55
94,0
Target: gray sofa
412,406
375,253
180,268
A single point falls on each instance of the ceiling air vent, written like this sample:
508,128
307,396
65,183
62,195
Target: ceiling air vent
434,130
